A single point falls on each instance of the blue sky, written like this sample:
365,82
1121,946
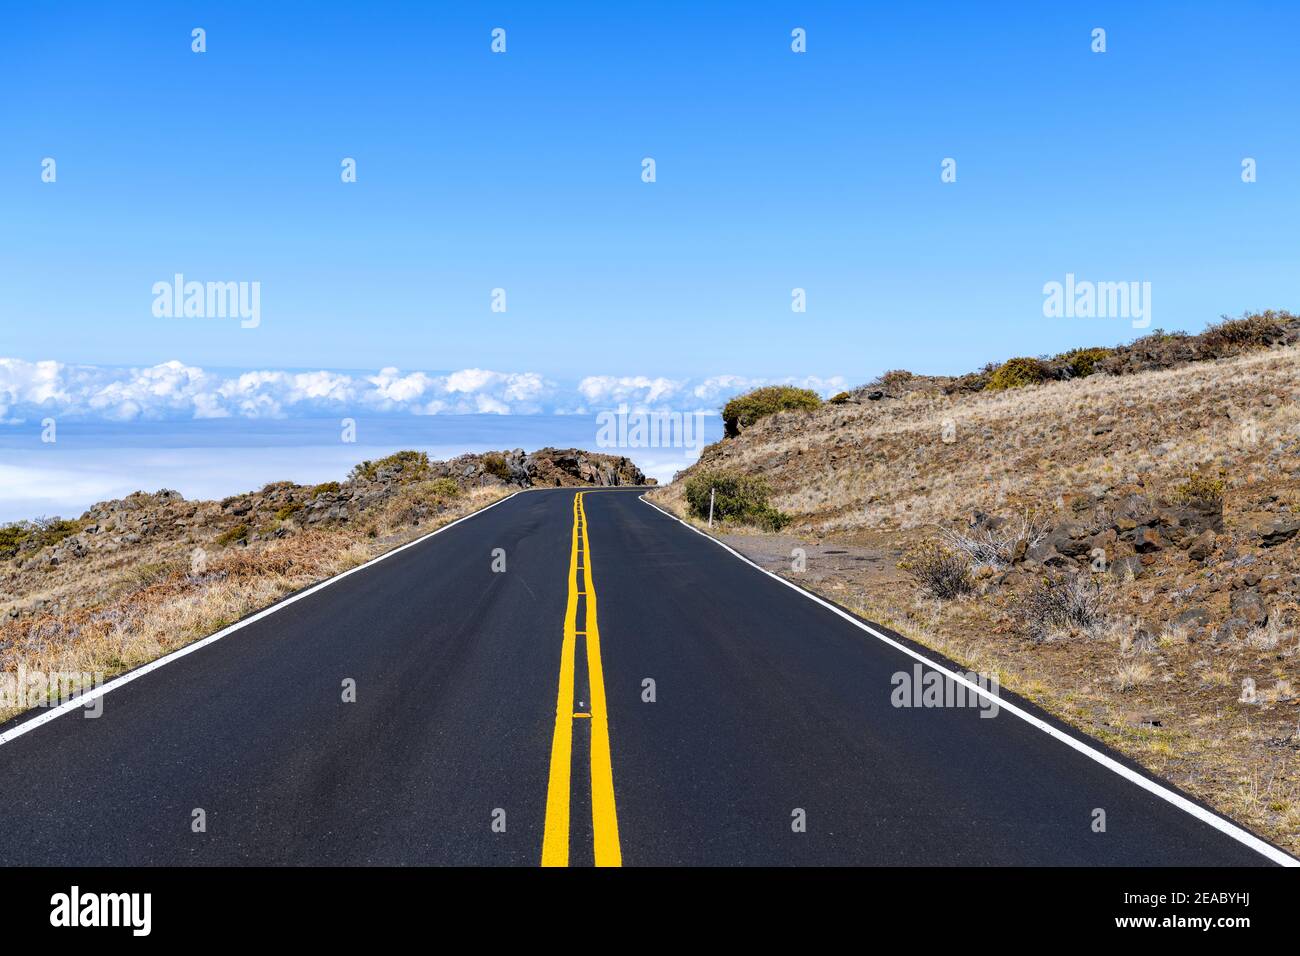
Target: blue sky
522,171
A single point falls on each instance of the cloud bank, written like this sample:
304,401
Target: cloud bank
174,391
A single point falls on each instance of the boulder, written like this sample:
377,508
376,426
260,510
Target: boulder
1193,617
1146,540
1070,546
1041,552
1270,530
1249,606
1233,628
1202,546
1123,567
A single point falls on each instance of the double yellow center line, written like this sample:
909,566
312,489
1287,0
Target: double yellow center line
604,816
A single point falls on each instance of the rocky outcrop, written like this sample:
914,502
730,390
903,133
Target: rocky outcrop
544,468
406,481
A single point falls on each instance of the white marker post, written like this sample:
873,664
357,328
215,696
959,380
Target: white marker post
711,490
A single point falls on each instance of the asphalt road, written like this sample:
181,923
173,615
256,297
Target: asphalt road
769,733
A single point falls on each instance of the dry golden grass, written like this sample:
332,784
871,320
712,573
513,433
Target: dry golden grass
886,464
158,606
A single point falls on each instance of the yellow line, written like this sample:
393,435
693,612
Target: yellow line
604,813
604,816
555,838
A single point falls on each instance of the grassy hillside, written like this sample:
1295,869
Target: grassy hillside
135,578
1120,546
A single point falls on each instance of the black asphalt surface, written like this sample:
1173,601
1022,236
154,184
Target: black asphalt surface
766,703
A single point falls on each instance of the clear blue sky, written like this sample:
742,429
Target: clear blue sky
775,170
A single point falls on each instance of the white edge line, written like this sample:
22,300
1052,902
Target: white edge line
82,699
1182,803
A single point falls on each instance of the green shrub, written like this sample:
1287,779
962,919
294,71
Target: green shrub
1199,489
288,511
238,533
743,410
425,496
41,532
840,398
739,498
328,487
495,464
1082,362
1019,372
409,465
770,519
56,529
14,535
444,487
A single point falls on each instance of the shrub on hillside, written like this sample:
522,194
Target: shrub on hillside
972,381
443,488
1159,336
739,498
38,534
743,410
1252,331
939,571
494,464
1205,491
1019,372
1157,349
237,534
1066,605
840,398
407,465
1081,362
892,381
995,544
13,536
54,530
769,518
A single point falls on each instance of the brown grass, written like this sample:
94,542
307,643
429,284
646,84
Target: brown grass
153,607
880,478
888,466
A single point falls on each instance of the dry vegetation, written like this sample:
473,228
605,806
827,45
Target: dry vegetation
158,598
1120,548
136,578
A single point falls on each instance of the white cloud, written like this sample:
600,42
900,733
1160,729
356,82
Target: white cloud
391,386
719,388
639,390
174,390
